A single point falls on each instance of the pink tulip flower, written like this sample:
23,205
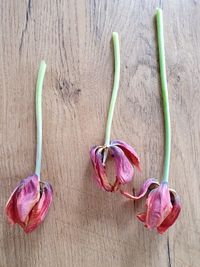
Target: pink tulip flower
162,205
29,203
124,155
125,158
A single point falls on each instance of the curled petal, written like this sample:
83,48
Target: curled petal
39,211
10,208
129,152
28,196
96,155
22,200
102,172
124,169
158,205
124,156
93,159
163,207
153,183
171,218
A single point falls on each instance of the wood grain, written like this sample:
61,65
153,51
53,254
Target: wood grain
85,226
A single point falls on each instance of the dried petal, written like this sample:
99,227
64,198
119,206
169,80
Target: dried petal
124,157
158,205
163,206
22,200
39,211
171,218
28,197
10,208
96,155
124,169
93,159
129,152
151,182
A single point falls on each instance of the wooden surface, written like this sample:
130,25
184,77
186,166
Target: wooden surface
86,226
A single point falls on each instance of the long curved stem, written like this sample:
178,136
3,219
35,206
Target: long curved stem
40,79
163,76
115,87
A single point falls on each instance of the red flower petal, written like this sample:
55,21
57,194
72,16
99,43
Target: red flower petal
171,218
148,183
27,197
39,211
124,169
158,205
96,155
93,159
129,152
22,200
124,156
10,208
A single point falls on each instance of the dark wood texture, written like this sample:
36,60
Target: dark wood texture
85,226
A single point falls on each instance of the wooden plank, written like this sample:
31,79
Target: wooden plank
85,226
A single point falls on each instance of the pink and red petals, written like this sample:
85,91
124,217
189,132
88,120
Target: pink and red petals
102,173
29,203
150,183
124,169
22,200
10,209
163,207
96,158
27,197
158,206
129,152
124,156
172,217
39,211
96,155
93,159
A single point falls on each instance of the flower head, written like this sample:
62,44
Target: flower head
29,203
163,205
125,158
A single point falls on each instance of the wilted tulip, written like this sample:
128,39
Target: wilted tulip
124,155
163,205
30,201
125,158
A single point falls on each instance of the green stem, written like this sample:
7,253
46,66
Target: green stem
40,79
115,87
163,77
